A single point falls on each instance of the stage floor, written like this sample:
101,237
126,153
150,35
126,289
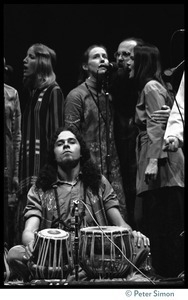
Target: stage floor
98,283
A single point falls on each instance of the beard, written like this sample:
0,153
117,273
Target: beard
122,73
68,163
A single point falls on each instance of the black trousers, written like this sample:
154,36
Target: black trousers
163,223
125,138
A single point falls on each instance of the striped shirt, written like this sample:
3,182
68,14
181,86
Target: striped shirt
42,116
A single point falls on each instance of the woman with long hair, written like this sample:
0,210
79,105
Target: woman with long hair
160,175
88,109
42,115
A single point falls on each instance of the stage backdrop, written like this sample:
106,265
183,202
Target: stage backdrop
70,28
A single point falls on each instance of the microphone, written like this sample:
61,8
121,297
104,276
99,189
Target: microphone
8,68
112,66
182,30
170,72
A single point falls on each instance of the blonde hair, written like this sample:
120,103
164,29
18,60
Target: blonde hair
44,74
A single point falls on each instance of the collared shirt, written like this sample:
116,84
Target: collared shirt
44,205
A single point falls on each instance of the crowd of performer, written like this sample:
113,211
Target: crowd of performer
108,155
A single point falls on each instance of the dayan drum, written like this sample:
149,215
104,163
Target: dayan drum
105,252
53,257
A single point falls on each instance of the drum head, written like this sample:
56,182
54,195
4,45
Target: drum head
106,229
53,233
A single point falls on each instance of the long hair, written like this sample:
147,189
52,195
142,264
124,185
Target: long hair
91,174
147,64
83,74
44,73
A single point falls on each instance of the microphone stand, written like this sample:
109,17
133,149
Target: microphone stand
76,239
106,90
6,210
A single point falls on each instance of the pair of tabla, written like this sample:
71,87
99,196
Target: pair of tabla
105,252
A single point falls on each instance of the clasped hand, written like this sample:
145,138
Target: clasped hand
161,115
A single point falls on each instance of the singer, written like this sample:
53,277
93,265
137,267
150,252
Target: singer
88,111
160,175
69,177
124,99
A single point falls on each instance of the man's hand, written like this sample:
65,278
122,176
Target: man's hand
161,115
171,144
138,237
151,170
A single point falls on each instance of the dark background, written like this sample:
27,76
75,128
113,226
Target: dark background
70,28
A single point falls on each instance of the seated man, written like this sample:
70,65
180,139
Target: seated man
68,176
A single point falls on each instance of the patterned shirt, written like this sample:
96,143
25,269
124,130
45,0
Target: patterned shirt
44,204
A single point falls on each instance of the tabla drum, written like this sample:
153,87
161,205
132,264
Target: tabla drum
52,256
105,252
140,255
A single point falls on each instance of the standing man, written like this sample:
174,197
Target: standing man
125,131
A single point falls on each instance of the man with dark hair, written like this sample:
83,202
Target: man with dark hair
69,176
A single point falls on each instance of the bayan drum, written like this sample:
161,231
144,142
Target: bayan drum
105,252
52,256
141,255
